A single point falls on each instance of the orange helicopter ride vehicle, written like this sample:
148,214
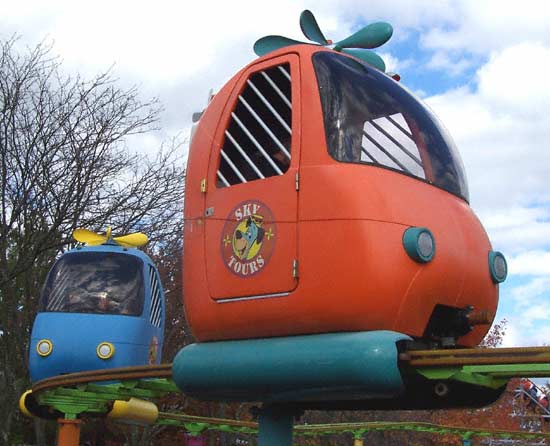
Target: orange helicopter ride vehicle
323,197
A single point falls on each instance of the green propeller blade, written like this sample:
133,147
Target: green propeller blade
371,36
311,29
367,56
271,43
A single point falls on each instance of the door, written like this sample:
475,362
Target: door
252,194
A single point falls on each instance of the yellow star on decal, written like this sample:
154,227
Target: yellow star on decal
226,240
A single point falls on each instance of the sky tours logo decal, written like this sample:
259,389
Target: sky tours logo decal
248,238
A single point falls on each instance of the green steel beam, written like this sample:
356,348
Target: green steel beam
491,375
510,370
97,398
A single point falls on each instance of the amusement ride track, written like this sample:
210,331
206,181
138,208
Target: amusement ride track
118,374
81,392
425,359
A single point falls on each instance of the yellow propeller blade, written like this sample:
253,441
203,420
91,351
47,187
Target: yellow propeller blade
92,238
89,237
132,240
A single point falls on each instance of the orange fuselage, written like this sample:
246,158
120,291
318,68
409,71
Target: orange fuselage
330,257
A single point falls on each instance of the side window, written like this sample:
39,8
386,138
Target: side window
258,138
156,304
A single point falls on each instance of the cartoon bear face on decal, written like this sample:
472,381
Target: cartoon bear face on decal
248,237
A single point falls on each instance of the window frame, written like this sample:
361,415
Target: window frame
244,84
65,307
460,187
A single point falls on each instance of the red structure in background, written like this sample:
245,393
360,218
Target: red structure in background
194,440
535,401
517,409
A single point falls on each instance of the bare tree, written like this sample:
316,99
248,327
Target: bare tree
65,164
495,336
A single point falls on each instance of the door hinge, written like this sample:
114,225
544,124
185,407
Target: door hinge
203,185
295,268
297,181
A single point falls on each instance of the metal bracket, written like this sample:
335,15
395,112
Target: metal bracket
295,273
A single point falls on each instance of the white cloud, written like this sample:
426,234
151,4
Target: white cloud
532,263
513,337
161,42
452,66
514,81
400,13
393,64
531,292
515,240
518,229
533,314
481,27
525,303
517,336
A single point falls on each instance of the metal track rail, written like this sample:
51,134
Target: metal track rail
358,429
477,356
184,419
417,426
118,374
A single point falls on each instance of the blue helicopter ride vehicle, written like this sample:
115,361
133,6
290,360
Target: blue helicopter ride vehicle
102,306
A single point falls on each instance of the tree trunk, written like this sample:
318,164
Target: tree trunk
39,432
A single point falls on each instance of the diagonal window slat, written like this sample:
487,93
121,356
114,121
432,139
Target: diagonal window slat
235,169
245,156
276,88
223,179
285,73
265,127
397,143
388,141
269,106
386,152
257,144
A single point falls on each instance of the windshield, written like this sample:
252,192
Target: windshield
369,118
95,282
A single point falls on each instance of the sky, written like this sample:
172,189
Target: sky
482,66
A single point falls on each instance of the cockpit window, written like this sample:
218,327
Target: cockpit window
371,119
95,282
